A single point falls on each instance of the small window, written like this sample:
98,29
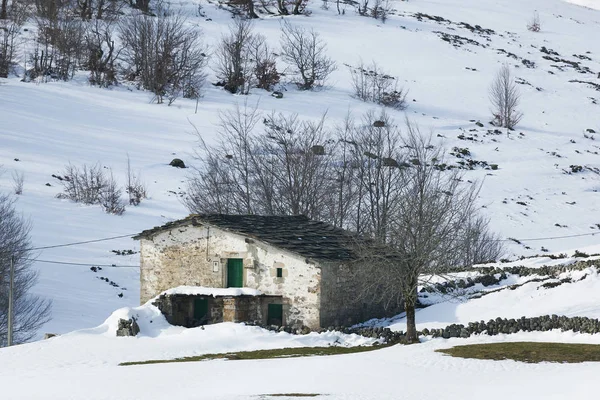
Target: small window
280,272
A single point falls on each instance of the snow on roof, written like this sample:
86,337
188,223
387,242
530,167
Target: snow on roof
208,291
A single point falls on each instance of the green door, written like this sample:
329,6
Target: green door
235,272
200,308
275,314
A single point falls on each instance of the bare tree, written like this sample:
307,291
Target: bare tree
225,181
102,52
430,232
14,17
297,159
377,159
136,189
30,311
283,170
306,53
18,179
535,24
164,55
234,58
505,97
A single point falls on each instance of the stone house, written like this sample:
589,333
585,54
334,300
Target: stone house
282,270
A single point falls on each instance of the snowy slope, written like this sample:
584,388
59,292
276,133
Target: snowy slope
46,126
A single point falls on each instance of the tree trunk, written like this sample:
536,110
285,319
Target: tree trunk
251,12
4,10
411,324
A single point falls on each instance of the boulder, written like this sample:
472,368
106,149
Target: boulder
177,163
127,327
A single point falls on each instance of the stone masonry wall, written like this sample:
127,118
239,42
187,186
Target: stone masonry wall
197,256
341,304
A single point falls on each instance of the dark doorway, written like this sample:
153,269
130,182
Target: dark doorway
275,314
201,310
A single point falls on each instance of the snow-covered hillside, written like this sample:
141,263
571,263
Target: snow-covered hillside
533,194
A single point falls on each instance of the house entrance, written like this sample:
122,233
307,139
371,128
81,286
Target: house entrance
200,309
275,314
235,272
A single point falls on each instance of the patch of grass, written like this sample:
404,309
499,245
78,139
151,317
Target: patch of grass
292,395
264,354
530,352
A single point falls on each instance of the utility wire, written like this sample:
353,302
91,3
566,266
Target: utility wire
547,238
83,264
67,244
82,242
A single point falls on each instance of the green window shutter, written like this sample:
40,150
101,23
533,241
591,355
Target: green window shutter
235,272
280,272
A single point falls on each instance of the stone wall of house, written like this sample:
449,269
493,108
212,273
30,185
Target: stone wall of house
341,302
197,256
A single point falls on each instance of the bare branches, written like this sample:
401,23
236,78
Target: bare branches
370,83
164,55
91,185
18,179
534,24
306,53
31,312
434,225
505,97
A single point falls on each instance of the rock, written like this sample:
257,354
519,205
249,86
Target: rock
318,150
177,163
128,327
277,95
379,124
49,335
479,124
589,130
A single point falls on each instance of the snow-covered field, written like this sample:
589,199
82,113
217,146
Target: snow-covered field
43,127
84,364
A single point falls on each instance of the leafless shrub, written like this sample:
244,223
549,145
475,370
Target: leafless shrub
234,66
110,196
83,185
136,189
102,53
306,53
370,83
92,185
59,50
505,97
30,311
164,55
18,179
379,10
265,67
98,9
287,7
534,24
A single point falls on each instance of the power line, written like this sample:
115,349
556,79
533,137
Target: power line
67,244
83,264
82,242
547,238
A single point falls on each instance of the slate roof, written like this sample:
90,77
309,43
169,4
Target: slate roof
297,233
